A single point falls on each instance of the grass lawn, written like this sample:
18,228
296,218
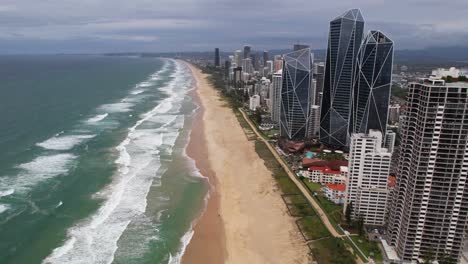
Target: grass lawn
300,210
294,199
367,246
312,228
331,251
287,186
312,186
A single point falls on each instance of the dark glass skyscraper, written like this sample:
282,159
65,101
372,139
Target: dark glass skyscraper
217,58
247,50
372,83
296,95
343,45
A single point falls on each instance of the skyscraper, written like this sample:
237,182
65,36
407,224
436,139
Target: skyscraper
296,95
319,72
367,182
428,213
372,83
265,57
276,96
217,59
247,52
343,45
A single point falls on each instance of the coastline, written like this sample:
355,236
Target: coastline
245,220
208,227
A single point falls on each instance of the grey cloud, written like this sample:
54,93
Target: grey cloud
177,25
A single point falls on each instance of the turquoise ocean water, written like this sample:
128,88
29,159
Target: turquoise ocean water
92,160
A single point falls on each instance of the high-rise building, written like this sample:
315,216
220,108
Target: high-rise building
296,95
367,183
238,58
394,113
247,66
247,50
254,102
217,59
390,139
277,63
276,95
372,83
265,57
428,212
314,122
319,75
227,69
298,46
343,45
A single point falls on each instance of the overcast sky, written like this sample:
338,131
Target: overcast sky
77,26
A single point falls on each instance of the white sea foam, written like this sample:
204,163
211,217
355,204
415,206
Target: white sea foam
145,84
40,169
185,240
64,142
3,208
7,192
120,107
138,91
125,198
97,118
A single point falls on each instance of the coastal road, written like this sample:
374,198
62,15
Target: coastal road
294,178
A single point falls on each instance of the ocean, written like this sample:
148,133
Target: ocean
92,160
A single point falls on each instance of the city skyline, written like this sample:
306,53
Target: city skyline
59,27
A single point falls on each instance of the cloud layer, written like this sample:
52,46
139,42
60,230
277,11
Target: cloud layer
31,26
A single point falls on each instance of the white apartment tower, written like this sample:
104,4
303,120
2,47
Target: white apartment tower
275,96
367,183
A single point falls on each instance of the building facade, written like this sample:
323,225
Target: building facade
335,192
276,96
254,102
217,58
343,45
428,213
372,83
368,178
296,95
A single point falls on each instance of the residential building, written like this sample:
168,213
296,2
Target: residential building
325,174
367,183
429,208
314,122
373,80
254,102
335,192
296,95
389,142
278,63
265,58
394,113
343,45
319,75
276,96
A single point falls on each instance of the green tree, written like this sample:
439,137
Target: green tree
349,209
449,79
360,225
462,78
446,259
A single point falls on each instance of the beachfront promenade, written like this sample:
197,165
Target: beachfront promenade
296,181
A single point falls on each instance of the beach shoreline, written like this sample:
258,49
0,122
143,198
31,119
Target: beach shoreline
245,220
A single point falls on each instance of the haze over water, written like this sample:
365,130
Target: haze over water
92,162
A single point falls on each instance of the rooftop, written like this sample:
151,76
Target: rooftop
336,187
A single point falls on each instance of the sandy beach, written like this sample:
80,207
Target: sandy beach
245,220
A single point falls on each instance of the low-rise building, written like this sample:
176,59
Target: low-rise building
325,175
335,192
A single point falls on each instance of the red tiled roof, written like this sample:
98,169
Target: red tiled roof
336,187
325,169
332,164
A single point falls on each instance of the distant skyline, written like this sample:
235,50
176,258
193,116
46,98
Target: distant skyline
96,26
